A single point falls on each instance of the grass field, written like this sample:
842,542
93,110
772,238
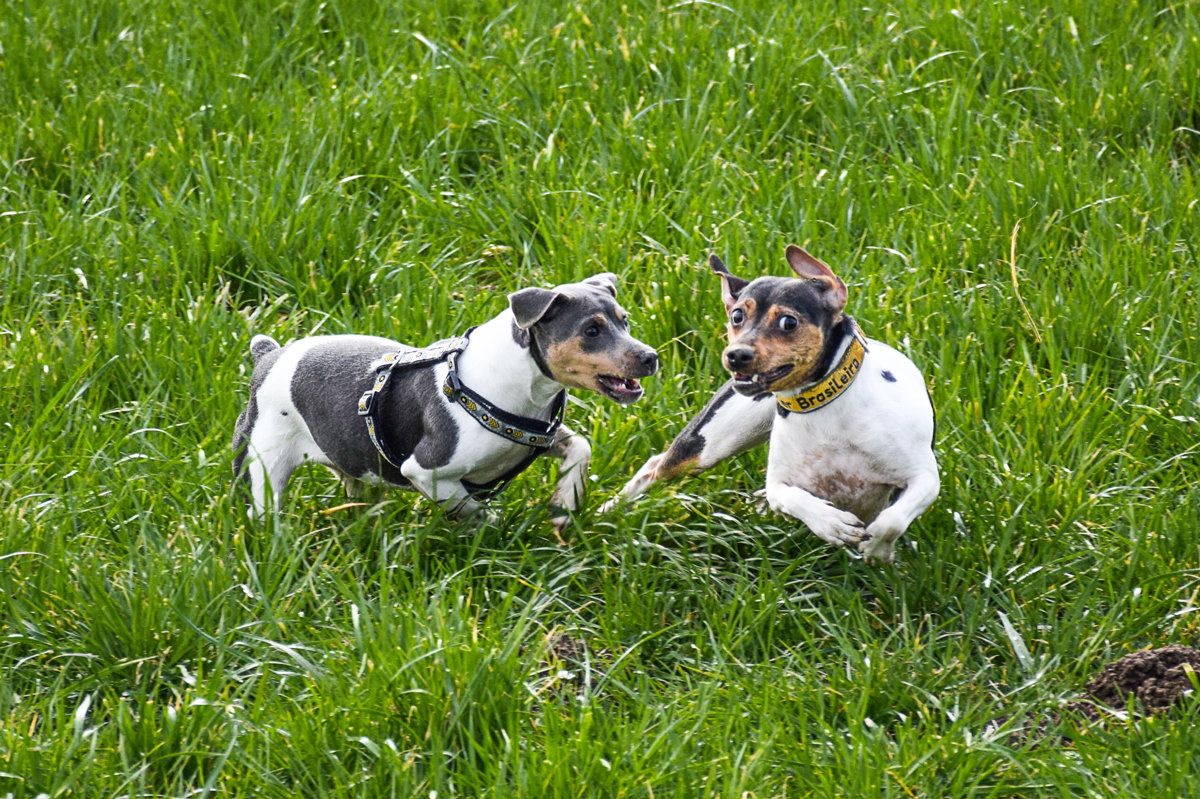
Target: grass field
1011,194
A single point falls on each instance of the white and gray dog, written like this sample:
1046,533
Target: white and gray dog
455,420
849,419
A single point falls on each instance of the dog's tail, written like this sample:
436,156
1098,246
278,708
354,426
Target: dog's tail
260,345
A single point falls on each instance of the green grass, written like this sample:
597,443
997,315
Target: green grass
1010,193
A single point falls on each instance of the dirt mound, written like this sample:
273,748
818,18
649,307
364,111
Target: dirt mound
1157,678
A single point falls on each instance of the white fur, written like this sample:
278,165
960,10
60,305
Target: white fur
493,365
872,441
852,454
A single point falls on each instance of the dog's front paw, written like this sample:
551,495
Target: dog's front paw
838,527
878,550
880,544
476,513
645,477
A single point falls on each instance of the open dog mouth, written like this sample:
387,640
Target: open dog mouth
620,389
759,383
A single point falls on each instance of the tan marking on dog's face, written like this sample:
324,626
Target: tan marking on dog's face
747,307
584,341
573,366
781,337
601,353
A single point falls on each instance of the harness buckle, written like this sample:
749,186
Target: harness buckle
452,373
365,402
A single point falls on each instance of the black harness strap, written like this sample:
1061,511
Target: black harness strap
408,358
536,434
530,432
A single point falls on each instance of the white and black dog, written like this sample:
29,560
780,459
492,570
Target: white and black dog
455,420
849,419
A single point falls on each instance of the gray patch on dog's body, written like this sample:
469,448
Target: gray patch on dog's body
331,377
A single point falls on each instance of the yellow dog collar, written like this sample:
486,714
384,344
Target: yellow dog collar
832,385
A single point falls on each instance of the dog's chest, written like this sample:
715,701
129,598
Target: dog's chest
484,456
844,463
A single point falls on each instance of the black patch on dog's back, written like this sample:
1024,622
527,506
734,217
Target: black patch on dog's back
690,442
325,389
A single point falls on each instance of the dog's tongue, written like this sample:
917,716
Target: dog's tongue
622,383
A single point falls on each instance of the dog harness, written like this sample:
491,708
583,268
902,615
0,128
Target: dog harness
536,434
834,383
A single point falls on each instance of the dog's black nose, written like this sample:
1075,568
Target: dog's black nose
738,357
649,361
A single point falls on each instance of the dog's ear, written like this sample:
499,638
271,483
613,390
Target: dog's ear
731,286
809,268
604,280
530,305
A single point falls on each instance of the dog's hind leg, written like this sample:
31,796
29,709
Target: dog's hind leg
241,431
249,478
728,425
270,458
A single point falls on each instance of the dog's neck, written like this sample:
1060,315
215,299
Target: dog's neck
497,366
841,333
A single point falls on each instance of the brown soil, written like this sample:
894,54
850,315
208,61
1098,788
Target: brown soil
1158,679
1151,682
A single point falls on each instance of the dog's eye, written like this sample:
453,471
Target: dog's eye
788,322
736,317
591,331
